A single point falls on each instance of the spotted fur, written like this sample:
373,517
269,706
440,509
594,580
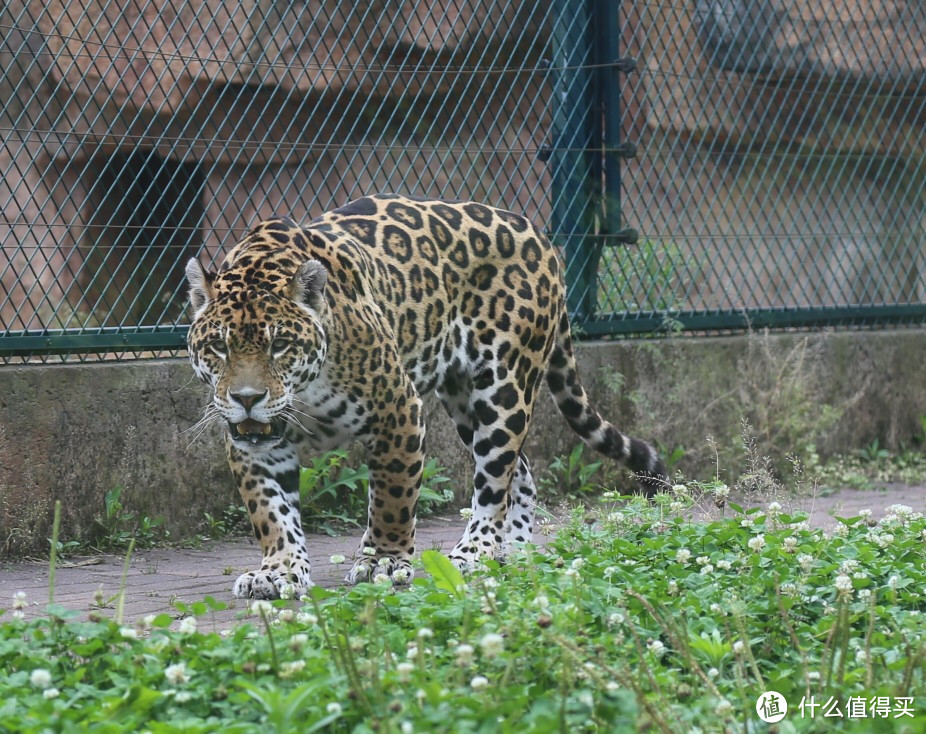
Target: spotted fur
315,335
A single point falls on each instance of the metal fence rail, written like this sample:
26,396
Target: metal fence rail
704,165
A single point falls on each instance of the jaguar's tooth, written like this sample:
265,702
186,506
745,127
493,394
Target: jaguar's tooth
267,430
240,428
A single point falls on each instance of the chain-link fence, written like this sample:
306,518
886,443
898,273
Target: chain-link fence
703,165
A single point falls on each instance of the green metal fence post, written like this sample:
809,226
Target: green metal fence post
575,135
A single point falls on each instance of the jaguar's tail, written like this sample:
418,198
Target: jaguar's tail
573,403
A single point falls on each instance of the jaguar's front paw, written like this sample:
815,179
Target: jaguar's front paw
369,568
273,583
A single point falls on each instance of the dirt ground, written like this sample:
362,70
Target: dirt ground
158,578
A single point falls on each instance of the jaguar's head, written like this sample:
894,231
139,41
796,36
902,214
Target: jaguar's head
258,343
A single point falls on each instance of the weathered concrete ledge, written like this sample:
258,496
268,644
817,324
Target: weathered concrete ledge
74,432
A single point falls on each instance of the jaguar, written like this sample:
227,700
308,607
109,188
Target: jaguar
316,335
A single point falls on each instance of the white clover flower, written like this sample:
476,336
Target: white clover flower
805,561
479,683
176,674
333,708
702,560
369,551
381,579
739,647
19,600
746,522
610,571
724,565
291,667
404,671
492,644
307,618
147,622
412,652
788,589
672,587
128,633
800,525
615,618
287,590
713,673
464,655
707,569
400,575
682,556
466,513
577,563
407,727
679,489
723,708
611,686
773,508
676,507
848,566
571,573
40,678
286,615
542,601
656,647
864,514
789,544
720,491
298,641
841,531
50,693
861,656
425,632
183,696
337,558
864,594
885,539
813,676
756,543
893,581
187,626
716,608
261,607
843,585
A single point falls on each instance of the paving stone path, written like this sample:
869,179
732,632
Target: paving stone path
158,578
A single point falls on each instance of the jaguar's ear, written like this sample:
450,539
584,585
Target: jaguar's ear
200,285
309,284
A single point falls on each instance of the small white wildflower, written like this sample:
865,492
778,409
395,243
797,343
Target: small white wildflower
843,585
707,569
412,652
724,565
723,708
893,581
369,551
773,508
615,618
480,682
571,573
261,608
128,633
183,696
381,579
147,622
720,491
611,686
50,693
828,610
420,695
756,542
702,560
492,644
287,591
672,587
813,676
682,556
656,647
716,608
841,531
577,563
885,539
679,489
864,594
176,674
286,615
676,507
425,633
40,678
789,544
739,647
298,641
404,671
864,514
407,727
609,571
860,656
746,522
788,589
466,513
307,618
464,655
805,561
400,575
337,558
19,600
187,626
712,672
800,525
542,601
333,708
291,667
848,566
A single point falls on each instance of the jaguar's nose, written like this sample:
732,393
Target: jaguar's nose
247,398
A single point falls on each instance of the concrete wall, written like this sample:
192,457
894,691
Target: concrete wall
76,431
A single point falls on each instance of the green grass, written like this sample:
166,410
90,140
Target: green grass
633,619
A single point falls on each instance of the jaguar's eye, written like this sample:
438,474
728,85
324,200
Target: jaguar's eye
219,347
278,346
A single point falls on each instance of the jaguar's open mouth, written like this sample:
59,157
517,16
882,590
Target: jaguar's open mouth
254,432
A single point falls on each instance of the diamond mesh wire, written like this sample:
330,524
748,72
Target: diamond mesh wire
778,176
